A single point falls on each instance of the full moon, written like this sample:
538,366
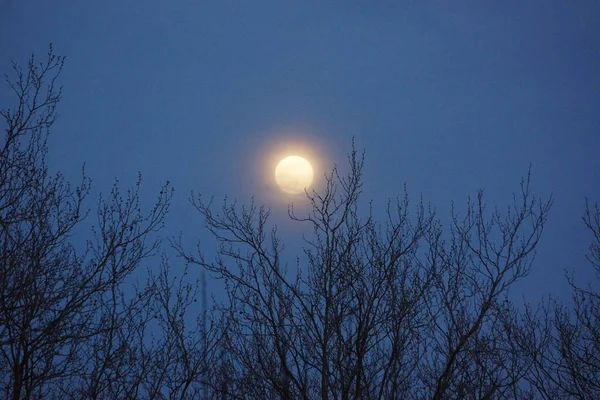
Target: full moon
293,174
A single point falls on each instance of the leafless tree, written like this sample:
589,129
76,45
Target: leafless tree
475,327
398,308
159,348
568,365
393,310
73,323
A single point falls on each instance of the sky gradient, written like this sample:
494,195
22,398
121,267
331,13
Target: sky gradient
447,97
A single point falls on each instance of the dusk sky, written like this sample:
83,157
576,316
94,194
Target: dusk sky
445,96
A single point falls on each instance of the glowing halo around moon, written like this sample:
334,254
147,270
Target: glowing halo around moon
293,174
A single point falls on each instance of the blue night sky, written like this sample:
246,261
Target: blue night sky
445,96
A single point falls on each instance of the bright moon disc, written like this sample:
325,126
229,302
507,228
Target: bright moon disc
293,174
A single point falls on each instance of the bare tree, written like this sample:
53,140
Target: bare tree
184,348
155,346
568,365
394,309
475,326
72,325
371,310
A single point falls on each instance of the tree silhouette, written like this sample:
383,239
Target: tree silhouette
70,327
395,310
568,363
